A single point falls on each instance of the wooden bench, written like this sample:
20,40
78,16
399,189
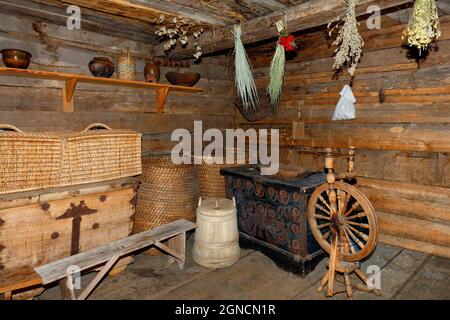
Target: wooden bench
104,257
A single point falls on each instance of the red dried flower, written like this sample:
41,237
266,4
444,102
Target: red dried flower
288,42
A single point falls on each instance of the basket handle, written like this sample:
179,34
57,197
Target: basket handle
97,125
10,127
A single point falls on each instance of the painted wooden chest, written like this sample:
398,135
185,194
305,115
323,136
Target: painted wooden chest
39,227
272,216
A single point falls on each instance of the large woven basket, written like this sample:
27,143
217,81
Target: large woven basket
168,192
100,155
29,160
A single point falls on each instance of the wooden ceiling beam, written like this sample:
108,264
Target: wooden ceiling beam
138,10
221,17
54,12
303,16
190,10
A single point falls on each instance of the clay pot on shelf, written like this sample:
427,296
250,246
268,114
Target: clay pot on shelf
101,67
188,79
14,58
152,72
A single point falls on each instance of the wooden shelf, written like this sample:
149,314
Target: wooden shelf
73,79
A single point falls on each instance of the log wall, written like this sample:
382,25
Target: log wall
401,133
37,104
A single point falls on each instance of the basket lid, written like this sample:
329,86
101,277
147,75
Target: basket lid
216,206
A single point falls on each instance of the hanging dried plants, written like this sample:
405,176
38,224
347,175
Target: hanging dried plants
348,41
423,25
285,42
245,83
176,31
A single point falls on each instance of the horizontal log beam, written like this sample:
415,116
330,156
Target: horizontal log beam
140,10
304,16
414,229
420,246
410,191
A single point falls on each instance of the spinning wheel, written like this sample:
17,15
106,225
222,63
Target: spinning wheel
344,224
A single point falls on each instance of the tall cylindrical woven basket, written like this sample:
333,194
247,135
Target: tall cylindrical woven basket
168,192
212,183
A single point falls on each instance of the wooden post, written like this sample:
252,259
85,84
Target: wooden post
7,295
332,264
178,244
67,292
351,159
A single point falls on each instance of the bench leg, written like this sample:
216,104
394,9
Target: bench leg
7,295
91,286
67,292
178,244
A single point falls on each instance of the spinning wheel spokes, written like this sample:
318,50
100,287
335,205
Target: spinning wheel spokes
354,222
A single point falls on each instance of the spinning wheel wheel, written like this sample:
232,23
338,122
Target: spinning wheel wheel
355,222
344,224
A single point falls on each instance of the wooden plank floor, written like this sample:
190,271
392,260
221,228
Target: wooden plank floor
405,274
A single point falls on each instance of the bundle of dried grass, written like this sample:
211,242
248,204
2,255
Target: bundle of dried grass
245,83
348,40
423,25
277,66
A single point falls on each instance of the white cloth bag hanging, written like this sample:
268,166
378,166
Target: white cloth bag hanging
345,109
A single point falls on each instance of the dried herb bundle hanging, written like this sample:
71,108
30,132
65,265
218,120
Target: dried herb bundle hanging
245,83
277,66
423,25
348,40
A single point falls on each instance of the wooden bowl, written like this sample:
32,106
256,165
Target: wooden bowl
188,79
14,58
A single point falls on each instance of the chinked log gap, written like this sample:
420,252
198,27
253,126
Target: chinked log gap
304,16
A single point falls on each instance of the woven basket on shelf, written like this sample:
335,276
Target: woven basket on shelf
29,160
100,155
168,192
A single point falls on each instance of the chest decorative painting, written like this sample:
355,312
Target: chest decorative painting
272,216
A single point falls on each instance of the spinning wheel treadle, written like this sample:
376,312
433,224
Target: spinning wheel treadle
344,224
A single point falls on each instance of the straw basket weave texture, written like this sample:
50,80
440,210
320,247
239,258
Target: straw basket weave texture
126,67
168,192
33,161
212,183
29,160
100,155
